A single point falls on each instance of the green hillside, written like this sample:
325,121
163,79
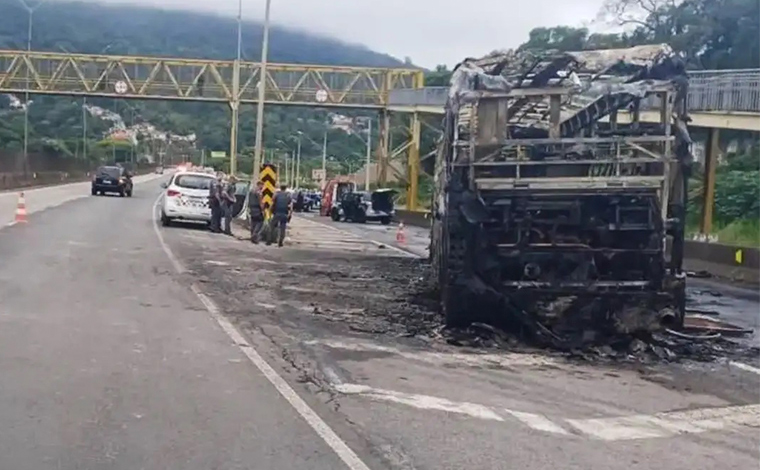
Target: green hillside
92,28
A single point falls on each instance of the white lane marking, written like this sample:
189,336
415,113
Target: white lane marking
669,423
175,262
537,422
323,430
424,402
616,428
745,367
443,358
353,235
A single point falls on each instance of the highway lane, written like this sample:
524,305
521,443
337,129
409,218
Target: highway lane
40,199
110,361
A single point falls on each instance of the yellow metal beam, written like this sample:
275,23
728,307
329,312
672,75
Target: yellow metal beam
199,79
414,163
708,184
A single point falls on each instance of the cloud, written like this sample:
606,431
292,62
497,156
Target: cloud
430,32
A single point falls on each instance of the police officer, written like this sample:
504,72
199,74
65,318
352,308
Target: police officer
215,203
228,203
256,211
282,207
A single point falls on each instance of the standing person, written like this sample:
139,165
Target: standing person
215,203
256,211
228,203
282,206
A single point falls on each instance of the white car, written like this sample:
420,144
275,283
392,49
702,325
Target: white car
186,198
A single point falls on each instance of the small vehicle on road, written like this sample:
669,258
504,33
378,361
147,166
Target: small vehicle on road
363,206
186,198
112,179
159,170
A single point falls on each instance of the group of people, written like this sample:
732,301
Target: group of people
282,209
222,200
221,197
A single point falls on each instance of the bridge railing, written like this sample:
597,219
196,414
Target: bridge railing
709,90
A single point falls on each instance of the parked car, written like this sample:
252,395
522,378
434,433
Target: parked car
159,170
186,198
112,179
363,206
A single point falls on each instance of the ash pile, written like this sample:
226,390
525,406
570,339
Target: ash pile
558,211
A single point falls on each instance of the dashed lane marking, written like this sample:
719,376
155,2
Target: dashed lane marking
355,236
424,402
658,425
320,427
444,358
745,367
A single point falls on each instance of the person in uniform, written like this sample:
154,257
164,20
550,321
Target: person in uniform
215,203
256,211
228,203
282,206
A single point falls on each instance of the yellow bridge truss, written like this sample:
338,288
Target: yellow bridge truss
226,81
199,79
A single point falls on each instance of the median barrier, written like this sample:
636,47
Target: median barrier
734,263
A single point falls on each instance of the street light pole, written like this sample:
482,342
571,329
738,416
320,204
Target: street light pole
84,127
262,94
26,93
369,154
298,163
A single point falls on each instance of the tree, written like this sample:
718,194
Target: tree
713,34
438,77
562,38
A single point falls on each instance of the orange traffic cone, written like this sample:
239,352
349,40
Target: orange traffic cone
21,210
400,237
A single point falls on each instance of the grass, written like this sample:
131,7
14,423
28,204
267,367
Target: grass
743,232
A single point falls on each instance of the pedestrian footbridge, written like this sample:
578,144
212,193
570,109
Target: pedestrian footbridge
717,99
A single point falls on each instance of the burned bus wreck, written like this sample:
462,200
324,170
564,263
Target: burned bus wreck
556,208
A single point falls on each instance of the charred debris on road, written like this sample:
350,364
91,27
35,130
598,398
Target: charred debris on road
557,211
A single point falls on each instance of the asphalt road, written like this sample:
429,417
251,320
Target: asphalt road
423,404
110,361
116,353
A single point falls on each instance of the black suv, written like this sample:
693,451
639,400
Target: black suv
112,179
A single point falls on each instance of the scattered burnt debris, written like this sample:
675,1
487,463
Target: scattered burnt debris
552,214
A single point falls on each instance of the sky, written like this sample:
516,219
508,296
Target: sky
430,32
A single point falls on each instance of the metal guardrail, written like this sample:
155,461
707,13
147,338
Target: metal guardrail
709,90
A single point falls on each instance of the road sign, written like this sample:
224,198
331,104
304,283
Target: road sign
321,96
218,154
120,87
268,176
318,174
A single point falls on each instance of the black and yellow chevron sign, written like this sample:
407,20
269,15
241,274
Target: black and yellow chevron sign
268,176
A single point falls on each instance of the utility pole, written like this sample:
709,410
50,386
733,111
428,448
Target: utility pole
324,162
298,164
262,94
235,103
